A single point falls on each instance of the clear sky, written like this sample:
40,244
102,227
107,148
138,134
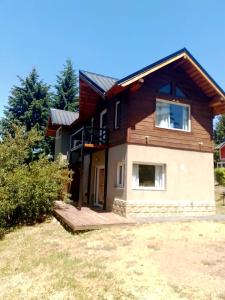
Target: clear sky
112,37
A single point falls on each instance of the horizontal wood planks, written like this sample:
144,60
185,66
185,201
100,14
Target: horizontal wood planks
142,117
86,218
88,100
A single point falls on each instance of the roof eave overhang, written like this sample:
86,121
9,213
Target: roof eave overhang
93,85
218,102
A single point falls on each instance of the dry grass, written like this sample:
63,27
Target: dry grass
155,261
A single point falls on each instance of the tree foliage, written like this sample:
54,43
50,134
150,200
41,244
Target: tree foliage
66,96
219,132
27,190
28,105
220,176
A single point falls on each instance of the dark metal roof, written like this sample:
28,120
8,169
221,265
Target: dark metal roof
63,117
104,83
101,82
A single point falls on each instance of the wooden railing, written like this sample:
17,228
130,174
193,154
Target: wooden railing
88,135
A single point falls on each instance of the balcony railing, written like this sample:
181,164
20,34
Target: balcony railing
88,136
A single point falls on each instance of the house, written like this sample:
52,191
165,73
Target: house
59,123
221,148
143,145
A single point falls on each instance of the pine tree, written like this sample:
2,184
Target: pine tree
66,96
28,105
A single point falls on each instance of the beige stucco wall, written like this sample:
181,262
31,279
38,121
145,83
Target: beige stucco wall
116,154
189,187
189,182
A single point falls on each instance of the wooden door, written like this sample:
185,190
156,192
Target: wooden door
100,190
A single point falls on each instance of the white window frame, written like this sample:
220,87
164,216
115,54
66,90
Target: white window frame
116,121
174,102
154,188
118,183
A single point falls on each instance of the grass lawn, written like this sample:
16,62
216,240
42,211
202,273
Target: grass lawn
155,261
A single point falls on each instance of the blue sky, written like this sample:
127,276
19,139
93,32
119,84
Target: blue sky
109,37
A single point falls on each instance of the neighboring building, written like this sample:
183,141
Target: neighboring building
143,145
221,148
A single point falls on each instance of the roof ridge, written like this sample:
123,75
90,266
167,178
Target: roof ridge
102,75
67,111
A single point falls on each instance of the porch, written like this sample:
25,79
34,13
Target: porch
89,161
87,218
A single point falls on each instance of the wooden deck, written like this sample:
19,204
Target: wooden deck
86,218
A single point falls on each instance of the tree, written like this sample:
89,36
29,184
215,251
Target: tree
28,188
66,96
28,105
219,133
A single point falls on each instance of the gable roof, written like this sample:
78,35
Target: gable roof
188,62
101,82
107,86
62,117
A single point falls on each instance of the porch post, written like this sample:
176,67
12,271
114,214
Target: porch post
106,177
89,178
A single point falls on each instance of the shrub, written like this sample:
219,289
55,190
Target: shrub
28,188
220,176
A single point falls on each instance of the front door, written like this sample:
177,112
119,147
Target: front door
100,179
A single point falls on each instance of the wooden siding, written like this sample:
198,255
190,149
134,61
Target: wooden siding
88,101
119,135
141,114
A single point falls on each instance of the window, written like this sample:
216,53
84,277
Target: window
179,93
166,89
172,89
172,116
120,175
117,115
148,176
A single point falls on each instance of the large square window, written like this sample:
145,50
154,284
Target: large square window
172,116
148,176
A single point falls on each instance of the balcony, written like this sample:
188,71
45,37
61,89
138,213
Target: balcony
89,137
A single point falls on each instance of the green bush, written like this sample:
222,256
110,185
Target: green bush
220,176
28,188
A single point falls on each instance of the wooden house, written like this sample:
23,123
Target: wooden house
143,145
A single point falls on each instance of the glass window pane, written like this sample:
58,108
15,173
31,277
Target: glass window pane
179,93
146,175
165,89
172,115
178,117
120,174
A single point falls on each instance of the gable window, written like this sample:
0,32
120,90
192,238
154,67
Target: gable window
172,116
117,115
120,175
172,89
148,176
166,89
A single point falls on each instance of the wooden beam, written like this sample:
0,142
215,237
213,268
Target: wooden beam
89,178
217,101
106,177
205,76
95,146
137,85
147,72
